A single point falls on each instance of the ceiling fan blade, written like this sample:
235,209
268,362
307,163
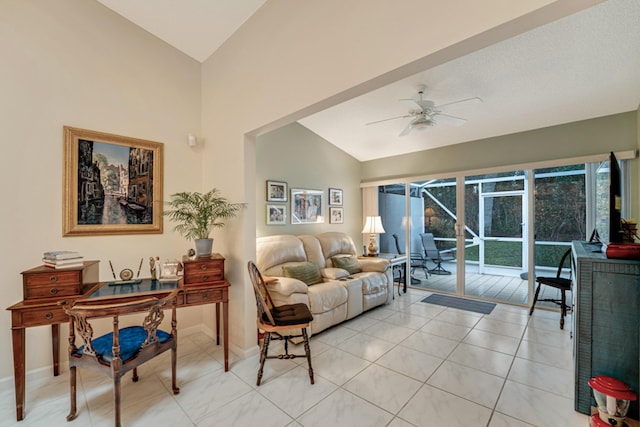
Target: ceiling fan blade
470,101
407,129
392,118
446,118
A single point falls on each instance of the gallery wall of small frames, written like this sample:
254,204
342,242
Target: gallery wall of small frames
302,205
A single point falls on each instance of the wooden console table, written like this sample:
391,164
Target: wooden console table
44,287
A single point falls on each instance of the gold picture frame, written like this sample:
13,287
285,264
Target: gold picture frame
112,184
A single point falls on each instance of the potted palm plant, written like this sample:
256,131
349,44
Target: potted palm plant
197,214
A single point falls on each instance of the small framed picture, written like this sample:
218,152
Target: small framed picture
276,214
276,191
335,197
336,215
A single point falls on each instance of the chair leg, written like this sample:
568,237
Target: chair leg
563,308
535,299
174,360
116,399
263,355
135,377
73,412
307,351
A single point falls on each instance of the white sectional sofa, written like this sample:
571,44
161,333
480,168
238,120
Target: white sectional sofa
340,293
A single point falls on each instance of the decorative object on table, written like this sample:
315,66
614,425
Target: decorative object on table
62,259
130,206
154,267
276,191
336,215
306,206
169,271
276,214
372,227
335,197
613,398
125,275
197,214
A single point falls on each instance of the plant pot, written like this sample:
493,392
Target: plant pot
203,247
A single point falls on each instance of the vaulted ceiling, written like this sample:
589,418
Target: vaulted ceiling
583,66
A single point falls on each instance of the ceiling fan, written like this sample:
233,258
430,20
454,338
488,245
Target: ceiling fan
429,114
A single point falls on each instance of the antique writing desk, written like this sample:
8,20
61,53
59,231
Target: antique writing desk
45,287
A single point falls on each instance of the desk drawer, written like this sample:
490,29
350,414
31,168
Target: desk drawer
202,297
53,284
211,270
43,316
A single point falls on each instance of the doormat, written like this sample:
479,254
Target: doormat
461,303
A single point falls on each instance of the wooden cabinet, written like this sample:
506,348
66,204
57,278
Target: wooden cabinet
203,270
45,282
606,321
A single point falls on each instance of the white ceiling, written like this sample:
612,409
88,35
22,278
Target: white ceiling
583,66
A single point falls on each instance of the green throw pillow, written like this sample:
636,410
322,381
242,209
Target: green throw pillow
349,263
306,272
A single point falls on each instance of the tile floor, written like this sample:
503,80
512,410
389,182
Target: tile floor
407,363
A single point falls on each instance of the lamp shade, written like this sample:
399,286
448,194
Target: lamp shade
373,225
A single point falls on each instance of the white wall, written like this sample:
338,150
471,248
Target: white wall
294,58
74,62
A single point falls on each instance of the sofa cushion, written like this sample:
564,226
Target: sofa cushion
306,272
326,296
334,273
349,263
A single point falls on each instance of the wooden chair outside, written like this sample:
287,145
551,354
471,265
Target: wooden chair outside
279,322
122,350
557,282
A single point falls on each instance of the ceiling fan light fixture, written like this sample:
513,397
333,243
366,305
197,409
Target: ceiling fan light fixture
422,124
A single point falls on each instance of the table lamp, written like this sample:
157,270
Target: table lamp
373,226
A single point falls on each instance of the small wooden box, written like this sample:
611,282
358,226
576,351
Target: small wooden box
204,270
41,283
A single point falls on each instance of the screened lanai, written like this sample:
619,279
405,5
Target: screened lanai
480,225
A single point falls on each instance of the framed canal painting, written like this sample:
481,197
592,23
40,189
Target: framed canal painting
112,184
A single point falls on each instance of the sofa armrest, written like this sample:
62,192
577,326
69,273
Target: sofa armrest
286,286
333,273
374,264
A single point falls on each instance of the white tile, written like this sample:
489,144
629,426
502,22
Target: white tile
335,335
544,377
252,409
338,366
379,313
492,362
501,343
410,362
433,407
424,309
458,317
407,320
501,420
366,346
388,332
430,344
501,328
210,392
445,329
537,407
342,408
294,393
549,355
550,337
383,387
472,384
360,323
